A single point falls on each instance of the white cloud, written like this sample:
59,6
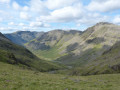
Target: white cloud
11,23
25,15
65,14
38,6
1,19
55,4
116,19
25,8
16,5
38,24
41,13
92,18
104,5
21,24
2,29
4,1
7,29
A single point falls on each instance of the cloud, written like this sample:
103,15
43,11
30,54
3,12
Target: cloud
25,8
1,19
25,15
38,6
59,3
16,5
37,14
65,14
104,5
11,23
7,29
4,1
116,19
21,24
38,24
92,18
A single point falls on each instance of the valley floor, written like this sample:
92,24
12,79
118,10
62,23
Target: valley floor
18,78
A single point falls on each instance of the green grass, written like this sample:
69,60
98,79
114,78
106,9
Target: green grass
15,54
19,78
51,54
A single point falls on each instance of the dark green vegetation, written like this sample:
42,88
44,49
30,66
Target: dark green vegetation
84,52
15,54
17,78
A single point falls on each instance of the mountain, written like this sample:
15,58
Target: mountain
51,45
107,63
84,51
22,37
15,54
98,52
92,43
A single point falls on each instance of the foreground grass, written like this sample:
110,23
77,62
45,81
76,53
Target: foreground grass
18,78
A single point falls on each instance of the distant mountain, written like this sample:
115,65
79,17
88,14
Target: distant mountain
15,54
22,37
88,52
52,44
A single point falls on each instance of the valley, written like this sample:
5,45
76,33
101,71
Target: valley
80,50
61,60
59,44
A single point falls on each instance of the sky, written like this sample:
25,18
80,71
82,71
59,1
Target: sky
45,15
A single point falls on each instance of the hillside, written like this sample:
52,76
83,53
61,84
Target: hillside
108,62
81,51
17,78
15,54
92,44
22,37
51,45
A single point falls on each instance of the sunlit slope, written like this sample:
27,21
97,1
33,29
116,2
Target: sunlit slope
92,44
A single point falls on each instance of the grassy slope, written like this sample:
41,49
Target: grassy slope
17,78
12,53
57,46
107,63
51,54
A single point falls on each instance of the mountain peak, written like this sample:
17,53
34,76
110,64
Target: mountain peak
103,23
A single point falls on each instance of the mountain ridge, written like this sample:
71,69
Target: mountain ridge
76,48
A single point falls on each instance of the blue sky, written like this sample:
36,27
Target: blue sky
45,15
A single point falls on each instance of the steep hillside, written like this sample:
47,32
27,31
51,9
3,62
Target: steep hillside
51,45
108,62
22,37
15,54
92,44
